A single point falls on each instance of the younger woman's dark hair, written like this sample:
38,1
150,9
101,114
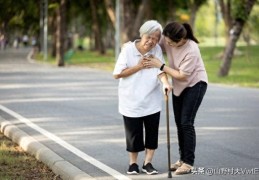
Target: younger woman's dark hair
177,31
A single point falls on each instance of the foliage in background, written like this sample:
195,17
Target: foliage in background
238,10
205,25
79,22
245,67
19,16
252,25
244,71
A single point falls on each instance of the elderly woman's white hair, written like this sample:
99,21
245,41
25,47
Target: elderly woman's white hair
150,27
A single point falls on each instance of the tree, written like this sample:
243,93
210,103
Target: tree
130,10
19,15
97,31
60,32
194,6
241,13
110,11
142,9
225,7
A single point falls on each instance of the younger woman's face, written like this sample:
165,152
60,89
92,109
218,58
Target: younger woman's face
174,44
148,41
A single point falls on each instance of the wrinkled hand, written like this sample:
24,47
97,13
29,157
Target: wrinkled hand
169,88
154,62
145,63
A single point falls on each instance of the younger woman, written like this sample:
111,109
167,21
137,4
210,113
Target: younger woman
189,86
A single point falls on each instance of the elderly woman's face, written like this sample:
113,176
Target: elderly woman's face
148,41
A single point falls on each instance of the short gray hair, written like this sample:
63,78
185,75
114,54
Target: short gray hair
150,27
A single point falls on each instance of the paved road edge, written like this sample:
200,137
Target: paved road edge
57,164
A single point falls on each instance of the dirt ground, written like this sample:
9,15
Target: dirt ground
15,164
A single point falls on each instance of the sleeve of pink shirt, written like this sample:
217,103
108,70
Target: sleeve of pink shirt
187,66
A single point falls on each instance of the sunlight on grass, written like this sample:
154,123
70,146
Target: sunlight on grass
17,164
244,69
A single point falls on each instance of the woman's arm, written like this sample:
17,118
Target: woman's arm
172,72
166,85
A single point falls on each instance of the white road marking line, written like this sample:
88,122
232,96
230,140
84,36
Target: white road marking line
66,145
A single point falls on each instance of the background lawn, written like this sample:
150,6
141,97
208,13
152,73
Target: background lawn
244,69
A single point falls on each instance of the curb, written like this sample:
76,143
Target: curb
57,164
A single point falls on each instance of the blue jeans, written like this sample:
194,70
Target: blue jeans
185,108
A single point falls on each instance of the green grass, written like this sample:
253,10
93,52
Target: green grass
17,164
244,69
83,57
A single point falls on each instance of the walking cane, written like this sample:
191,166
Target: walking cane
168,133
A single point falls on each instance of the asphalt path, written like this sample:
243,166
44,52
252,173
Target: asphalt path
74,112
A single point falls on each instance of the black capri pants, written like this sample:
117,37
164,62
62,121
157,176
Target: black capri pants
135,134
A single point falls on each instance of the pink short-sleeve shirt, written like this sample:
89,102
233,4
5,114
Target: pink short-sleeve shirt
188,60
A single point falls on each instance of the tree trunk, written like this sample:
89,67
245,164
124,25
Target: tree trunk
234,36
229,51
193,9
60,33
54,46
110,11
128,17
96,28
226,13
139,19
172,12
53,29
194,6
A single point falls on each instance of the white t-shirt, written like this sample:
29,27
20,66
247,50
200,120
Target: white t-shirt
140,93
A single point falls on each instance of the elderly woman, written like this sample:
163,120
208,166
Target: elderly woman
140,97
